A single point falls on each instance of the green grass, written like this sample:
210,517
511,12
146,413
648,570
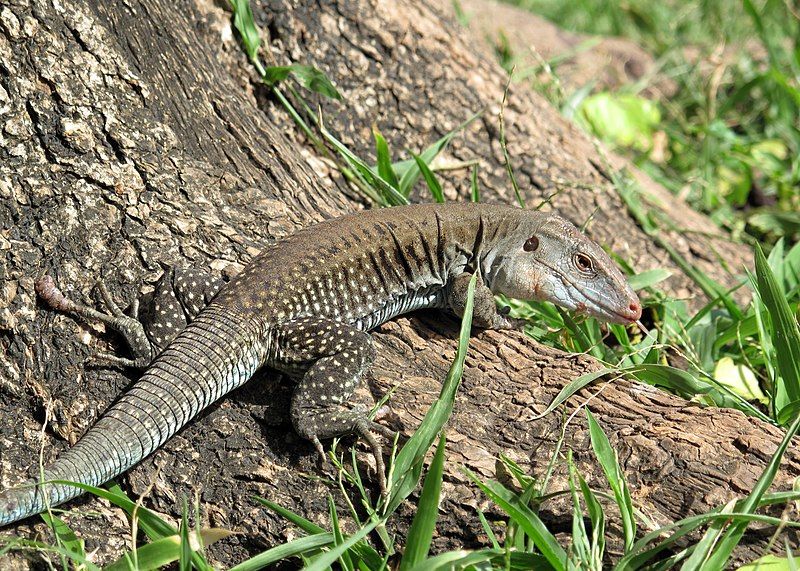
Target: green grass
728,139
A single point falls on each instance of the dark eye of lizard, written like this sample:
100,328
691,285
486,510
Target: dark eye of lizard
531,244
583,262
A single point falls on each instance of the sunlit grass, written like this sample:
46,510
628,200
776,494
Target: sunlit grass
728,137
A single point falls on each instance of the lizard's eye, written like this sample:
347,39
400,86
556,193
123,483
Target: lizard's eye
583,262
531,244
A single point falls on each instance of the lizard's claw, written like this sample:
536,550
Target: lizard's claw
364,430
505,322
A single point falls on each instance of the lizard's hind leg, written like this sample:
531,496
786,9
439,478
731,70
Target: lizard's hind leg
335,357
179,295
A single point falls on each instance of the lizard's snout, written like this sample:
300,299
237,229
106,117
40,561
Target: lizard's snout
633,311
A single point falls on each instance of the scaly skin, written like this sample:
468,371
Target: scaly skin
304,306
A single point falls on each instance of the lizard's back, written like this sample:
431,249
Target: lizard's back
351,268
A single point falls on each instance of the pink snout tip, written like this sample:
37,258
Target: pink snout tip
634,311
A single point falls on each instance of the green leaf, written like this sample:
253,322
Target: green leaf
649,278
166,550
69,545
385,169
307,75
475,192
782,327
768,563
409,172
294,548
623,119
420,535
526,519
573,387
304,524
736,530
149,522
478,560
598,519
607,457
338,539
740,379
185,559
580,548
327,559
638,556
430,179
702,549
245,24
389,193
20,543
66,537
504,145
365,552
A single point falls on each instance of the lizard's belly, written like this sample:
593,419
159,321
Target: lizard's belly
423,298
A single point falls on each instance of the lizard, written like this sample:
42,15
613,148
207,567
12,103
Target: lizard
304,307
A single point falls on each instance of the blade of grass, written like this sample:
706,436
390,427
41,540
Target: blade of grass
580,548
344,560
167,550
365,552
637,557
702,549
385,169
573,387
420,535
607,457
307,75
25,544
185,553
389,193
475,192
292,548
244,23
783,327
430,179
66,537
408,171
735,532
327,559
504,146
405,470
525,518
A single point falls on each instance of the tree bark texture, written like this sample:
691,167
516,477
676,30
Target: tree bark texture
135,134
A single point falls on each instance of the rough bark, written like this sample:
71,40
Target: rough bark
132,135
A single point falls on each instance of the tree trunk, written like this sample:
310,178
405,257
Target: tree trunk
134,135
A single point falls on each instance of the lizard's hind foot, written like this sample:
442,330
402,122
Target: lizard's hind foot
129,327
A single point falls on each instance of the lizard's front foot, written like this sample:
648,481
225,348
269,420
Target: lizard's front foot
503,321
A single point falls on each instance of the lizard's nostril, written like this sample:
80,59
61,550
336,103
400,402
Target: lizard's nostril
636,310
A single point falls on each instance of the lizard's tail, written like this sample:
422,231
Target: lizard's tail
216,353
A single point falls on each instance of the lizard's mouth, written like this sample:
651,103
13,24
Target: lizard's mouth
596,305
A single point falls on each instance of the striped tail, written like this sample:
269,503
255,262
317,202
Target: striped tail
216,353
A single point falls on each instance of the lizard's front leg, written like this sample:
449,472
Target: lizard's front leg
484,313
334,357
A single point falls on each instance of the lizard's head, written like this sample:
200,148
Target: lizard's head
548,259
